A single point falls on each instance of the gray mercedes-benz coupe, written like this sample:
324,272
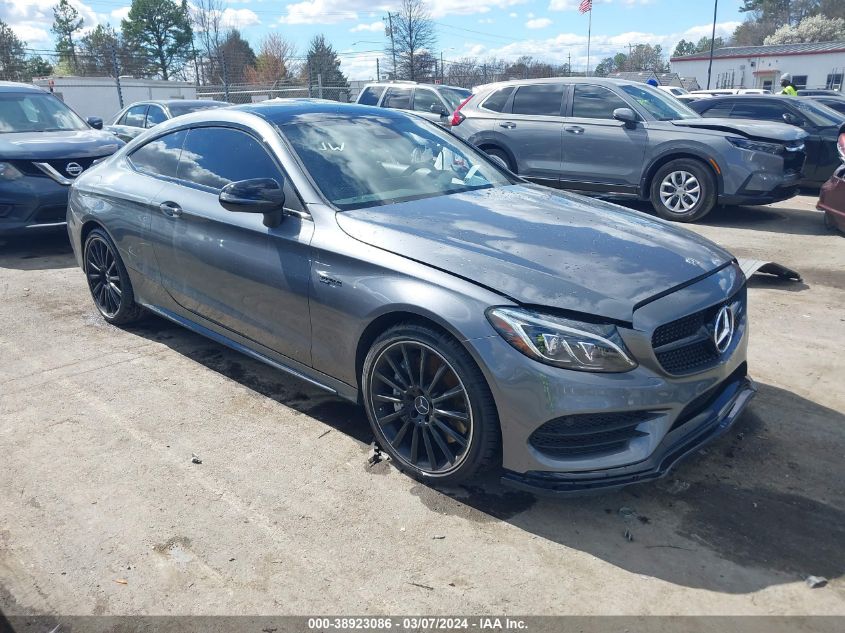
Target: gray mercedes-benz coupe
481,321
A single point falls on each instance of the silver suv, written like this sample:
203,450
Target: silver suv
622,137
433,102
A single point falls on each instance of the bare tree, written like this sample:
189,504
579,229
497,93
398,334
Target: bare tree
209,33
276,61
415,38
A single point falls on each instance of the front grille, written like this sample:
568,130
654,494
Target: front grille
686,345
51,213
60,165
588,434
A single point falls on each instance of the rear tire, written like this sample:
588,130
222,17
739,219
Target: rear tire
500,157
108,280
683,190
429,405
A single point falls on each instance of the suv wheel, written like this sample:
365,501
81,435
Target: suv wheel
500,157
683,190
429,405
108,280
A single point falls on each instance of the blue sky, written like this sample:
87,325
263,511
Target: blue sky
547,29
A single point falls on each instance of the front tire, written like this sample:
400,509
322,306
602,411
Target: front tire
108,280
501,158
429,405
683,190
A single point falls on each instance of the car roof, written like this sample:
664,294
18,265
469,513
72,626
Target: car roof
600,81
170,102
411,84
14,86
281,111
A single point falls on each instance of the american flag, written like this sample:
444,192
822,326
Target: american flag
586,5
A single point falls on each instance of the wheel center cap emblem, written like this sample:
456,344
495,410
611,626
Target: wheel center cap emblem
421,405
723,331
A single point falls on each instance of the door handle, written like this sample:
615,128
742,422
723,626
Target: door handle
574,129
170,209
508,125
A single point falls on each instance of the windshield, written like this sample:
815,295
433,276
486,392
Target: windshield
454,96
177,109
36,112
659,104
819,115
365,161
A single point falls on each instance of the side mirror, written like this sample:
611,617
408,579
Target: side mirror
95,122
256,195
792,119
436,108
626,115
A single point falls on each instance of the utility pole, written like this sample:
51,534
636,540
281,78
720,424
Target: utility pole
569,64
378,72
442,69
712,41
392,41
116,68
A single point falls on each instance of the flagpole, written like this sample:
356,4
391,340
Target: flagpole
589,32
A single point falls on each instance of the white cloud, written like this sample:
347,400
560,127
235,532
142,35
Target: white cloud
29,33
119,14
374,27
486,20
31,19
538,23
239,18
334,11
359,66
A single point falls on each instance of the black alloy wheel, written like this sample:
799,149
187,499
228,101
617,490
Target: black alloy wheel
108,280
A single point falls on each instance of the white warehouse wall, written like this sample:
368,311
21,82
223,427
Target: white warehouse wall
754,72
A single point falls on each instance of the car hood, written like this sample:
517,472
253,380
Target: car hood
768,130
49,145
542,247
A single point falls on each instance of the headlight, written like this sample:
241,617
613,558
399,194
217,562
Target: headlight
562,342
9,172
755,146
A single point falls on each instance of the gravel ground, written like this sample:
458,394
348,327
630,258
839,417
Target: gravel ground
103,512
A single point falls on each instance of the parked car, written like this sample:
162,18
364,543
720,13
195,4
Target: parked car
831,101
44,146
819,93
624,137
832,193
475,316
434,102
140,116
718,92
821,124
681,94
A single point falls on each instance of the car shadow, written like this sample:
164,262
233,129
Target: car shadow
757,508
37,251
791,221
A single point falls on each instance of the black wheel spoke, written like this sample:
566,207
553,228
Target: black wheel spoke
409,383
451,432
454,391
103,277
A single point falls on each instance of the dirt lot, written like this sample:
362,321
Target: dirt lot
102,511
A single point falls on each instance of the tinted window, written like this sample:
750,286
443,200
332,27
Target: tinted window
657,103
543,99
178,109
214,157
836,104
595,102
399,98
155,115
370,96
720,109
424,99
496,101
763,111
134,116
454,96
36,112
161,156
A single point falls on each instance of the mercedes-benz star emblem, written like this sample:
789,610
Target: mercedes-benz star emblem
73,169
723,332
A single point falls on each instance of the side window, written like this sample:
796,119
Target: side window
161,156
595,102
720,110
370,95
424,99
134,116
155,115
398,98
763,111
496,101
540,99
207,158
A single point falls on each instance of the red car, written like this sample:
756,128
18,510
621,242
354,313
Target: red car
832,194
